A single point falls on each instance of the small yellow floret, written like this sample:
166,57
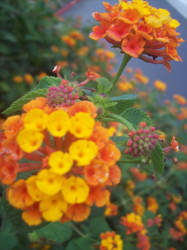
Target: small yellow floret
49,182
60,162
83,151
174,23
153,21
35,119
33,190
82,125
53,208
58,123
75,190
29,140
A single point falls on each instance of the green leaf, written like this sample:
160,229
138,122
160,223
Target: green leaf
83,243
157,157
128,246
48,81
8,240
126,97
56,231
98,225
135,116
123,102
18,104
103,85
119,118
71,246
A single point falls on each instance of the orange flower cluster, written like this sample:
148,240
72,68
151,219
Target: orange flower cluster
70,154
134,224
139,30
152,204
179,99
179,223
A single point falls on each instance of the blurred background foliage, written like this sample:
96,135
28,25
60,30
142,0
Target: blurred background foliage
32,43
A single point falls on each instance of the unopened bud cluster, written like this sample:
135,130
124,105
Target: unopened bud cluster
142,141
64,95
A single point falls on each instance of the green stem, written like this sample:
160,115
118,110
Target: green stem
122,120
124,62
77,230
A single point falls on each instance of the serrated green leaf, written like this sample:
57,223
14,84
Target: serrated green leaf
103,85
123,102
135,116
18,104
56,231
48,81
157,157
98,225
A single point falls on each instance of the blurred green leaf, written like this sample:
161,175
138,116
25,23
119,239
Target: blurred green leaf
98,225
157,157
103,85
80,243
55,231
135,116
48,81
8,240
18,104
123,102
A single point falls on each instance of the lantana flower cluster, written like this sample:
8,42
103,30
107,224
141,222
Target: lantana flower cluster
111,241
139,30
70,154
133,223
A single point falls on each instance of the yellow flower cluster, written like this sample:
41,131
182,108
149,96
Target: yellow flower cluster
66,147
111,241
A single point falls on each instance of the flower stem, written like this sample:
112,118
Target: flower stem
124,62
77,230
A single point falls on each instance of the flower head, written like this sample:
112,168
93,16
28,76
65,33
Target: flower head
111,240
142,141
161,86
73,167
139,30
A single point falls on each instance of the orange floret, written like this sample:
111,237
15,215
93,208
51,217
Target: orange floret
18,196
32,216
78,212
84,106
98,196
110,154
96,173
114,175
39,102
12,126
100,135
8,172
